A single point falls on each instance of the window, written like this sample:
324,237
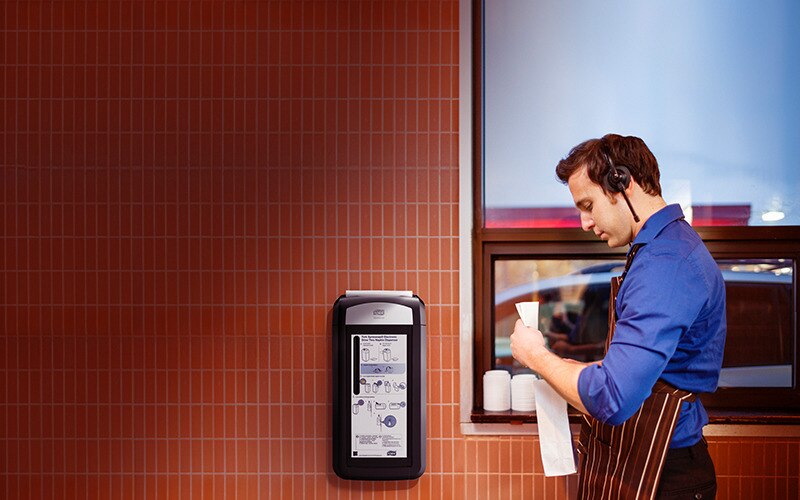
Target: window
573,297
712,88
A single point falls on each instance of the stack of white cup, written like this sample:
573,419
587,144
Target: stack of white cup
496,390
523,392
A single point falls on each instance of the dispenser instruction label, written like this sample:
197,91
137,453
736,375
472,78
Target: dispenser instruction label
379,389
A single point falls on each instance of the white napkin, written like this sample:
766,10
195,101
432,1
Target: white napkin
528,313
555,439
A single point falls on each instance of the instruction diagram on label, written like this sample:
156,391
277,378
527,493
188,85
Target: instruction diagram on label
380,396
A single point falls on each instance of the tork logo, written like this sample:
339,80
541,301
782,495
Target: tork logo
378,312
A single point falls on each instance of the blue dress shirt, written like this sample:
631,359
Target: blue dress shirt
670,325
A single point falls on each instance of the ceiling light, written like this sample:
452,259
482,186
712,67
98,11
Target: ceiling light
772,216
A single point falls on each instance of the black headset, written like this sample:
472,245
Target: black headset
617,177
616,180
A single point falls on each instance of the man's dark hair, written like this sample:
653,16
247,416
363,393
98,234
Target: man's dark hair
628,151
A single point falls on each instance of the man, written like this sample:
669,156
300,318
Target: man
670,322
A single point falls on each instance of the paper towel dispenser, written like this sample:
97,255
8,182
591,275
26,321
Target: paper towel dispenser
379,385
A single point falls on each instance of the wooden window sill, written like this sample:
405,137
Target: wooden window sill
714,416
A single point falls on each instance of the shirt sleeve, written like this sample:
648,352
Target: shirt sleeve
660,298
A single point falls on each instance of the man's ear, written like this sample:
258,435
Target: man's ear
631,184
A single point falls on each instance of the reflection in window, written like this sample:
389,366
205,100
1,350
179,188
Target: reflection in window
760,343
573,313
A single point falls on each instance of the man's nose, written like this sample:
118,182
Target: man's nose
587,223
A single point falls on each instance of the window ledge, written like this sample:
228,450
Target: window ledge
715,417
514,417
720,417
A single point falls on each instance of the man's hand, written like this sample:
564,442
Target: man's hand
527,344
528,347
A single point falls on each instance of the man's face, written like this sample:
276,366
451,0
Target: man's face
599,211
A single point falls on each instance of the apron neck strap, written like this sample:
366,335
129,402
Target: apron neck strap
631,254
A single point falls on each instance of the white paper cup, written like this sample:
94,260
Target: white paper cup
523,393
496,390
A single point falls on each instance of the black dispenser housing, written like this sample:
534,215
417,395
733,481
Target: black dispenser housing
379,385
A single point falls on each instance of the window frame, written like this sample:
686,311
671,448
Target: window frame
727,405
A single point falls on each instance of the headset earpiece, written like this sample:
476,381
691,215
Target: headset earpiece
617,178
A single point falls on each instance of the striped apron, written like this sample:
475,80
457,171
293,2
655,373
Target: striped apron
625,461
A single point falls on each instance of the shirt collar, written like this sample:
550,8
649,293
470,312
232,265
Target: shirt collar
657,222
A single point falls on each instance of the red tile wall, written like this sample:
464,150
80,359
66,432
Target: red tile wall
186,189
